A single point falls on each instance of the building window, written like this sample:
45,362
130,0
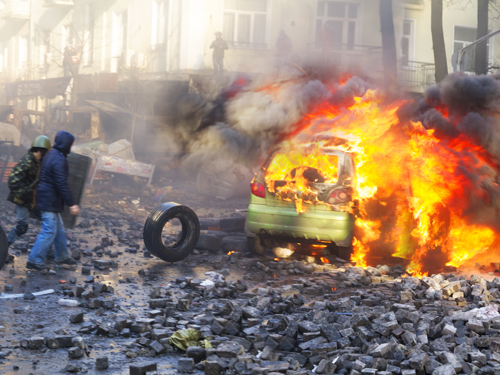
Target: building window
408,44
42,51
245,22
22,56
88,35
462,38
120,22
68,36
337,24
160,22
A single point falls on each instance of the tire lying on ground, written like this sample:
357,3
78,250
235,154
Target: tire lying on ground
3,247
188,239
234,243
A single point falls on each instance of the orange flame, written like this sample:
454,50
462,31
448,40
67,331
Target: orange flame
230,252
412,186
324,260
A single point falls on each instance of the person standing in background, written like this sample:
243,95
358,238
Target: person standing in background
219,45
283,45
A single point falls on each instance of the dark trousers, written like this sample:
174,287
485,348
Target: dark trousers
218,66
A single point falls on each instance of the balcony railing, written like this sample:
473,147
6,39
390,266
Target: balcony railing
349,57
58,3
16,10
416,76
28,72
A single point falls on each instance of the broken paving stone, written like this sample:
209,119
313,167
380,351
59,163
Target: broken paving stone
444,370
36,342
212,368
448,330
143,368
275,366
71,368
476,326
101,363
89,279
75,352
230,349
383,350
197,353
418,361
185,365
157,347
450,358
29,296
76,317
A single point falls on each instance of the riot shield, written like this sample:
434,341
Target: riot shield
3,247
79,167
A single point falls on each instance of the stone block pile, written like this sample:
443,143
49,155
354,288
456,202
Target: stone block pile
343,321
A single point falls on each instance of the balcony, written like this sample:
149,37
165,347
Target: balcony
16,10
58,3
353,58
415,76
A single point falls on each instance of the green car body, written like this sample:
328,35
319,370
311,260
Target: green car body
273,217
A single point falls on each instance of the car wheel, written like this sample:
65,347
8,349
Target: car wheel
343,252
256,245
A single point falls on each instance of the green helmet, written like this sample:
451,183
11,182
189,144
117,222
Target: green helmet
42,142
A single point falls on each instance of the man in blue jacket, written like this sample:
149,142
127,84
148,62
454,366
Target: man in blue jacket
52,194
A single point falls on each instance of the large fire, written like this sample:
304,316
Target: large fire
414,189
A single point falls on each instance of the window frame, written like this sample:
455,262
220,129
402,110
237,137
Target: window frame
358,30
119,47
251,44
155,26
22,53
88,35
411,45
491,46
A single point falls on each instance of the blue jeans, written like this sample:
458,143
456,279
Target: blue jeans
23,214
52,232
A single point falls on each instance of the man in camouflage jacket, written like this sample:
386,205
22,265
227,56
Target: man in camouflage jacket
22,184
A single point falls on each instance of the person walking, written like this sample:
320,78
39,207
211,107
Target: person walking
52,194
22,182
219,45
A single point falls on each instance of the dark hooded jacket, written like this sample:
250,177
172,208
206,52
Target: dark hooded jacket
53,191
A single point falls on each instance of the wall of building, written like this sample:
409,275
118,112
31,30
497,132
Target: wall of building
176,37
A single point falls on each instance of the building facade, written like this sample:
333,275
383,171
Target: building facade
172,36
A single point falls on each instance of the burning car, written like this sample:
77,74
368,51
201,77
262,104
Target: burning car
304,195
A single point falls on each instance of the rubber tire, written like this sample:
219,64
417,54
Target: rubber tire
154,227
255,245
342,252
4,248
345,252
